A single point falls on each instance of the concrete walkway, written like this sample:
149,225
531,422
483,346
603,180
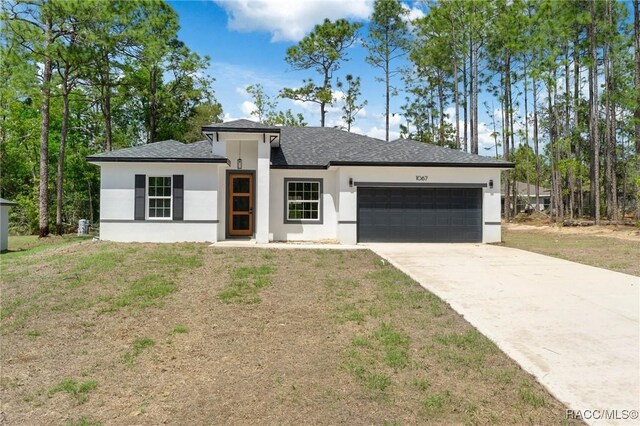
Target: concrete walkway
574,327
287,245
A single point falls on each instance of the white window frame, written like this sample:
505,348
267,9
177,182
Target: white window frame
159,197
288,202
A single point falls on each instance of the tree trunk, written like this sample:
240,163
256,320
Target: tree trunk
567,131
455,83
552,148
440,109
576,124
610,130
535,141
505,149
106,111
153,104
556,133
526,128
511,126
44,136
465,105
636,114
474,98
636,39
63,141
387,95
456,96
593,117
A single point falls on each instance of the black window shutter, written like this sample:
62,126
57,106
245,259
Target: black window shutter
178,197
141,181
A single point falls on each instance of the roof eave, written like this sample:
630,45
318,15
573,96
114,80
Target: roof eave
300,166
95,160
503,165
240,129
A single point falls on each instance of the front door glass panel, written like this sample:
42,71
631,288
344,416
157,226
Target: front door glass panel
240,205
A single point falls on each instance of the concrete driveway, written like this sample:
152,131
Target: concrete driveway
574,327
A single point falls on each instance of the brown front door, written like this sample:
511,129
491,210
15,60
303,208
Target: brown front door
240,204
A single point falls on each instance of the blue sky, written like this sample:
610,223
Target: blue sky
247,42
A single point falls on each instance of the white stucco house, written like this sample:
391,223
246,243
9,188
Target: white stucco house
249,180
5,205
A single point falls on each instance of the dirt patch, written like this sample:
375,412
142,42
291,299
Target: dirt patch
330,337
631,233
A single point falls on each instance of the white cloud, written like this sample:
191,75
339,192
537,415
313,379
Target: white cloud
240,77
290,20
414,12
248,107
242,91
395,119
379,133
338,95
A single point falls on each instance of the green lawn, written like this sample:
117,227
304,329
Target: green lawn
105,333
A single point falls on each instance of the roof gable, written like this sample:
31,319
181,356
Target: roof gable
242,125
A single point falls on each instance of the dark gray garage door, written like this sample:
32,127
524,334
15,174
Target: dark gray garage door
419,214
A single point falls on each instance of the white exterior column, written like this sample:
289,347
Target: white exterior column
261,208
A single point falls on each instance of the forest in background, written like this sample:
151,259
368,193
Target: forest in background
559,79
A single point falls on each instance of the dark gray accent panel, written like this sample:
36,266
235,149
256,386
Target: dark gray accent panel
320,204
347,222
140,201
419,214
420,185
178,197
492,223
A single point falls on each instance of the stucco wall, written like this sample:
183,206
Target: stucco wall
117,203
205,199
280,231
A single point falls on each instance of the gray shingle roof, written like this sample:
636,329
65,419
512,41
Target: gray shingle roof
312,147
4,202
240,125
165,151
320,147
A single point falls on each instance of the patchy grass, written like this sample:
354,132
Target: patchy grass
138,346
245,283
179,330
143,292
615,254
276,336
33,244
84,421
70,386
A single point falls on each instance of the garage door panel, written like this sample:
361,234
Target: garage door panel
419,214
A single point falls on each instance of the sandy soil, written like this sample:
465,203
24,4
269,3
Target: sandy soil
622,232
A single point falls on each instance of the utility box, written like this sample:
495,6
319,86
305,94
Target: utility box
83,227
5,205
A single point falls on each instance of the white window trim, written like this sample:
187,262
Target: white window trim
287,202
155,197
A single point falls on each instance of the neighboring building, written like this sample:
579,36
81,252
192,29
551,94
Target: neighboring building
527,197
297,183
5,205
